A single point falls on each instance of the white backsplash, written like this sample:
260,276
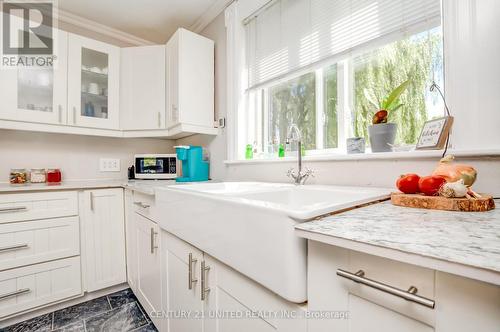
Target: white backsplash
77,156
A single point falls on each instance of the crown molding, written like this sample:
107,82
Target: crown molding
78,21
217,7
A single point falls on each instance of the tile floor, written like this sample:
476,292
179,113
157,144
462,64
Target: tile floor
118,312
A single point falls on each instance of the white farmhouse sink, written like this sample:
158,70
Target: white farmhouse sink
250,225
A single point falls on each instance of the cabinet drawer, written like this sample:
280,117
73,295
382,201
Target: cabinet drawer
38,241
37,285
145,205
30,206
395,274
331,292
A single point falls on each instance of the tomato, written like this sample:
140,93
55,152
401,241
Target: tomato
408,183
430,185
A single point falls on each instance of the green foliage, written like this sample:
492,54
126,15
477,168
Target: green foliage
330,130
294,102
375,76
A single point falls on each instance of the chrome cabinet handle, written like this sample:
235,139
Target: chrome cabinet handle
409,295
153,235
13,209
74,115
204,288
91,201
60,113
15,293
159,119
142,205
15,247
191,280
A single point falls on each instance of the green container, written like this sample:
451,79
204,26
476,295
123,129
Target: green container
249,151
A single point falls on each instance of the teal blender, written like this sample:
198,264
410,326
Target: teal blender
194,167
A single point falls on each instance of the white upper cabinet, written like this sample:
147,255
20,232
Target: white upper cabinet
190,82
36,95
142,88
93,83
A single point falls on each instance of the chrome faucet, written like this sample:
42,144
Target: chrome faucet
301,177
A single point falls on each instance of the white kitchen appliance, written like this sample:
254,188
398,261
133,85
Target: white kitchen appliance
155,166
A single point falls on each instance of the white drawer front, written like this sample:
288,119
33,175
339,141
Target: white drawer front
30,206
38,285
145,205
37,241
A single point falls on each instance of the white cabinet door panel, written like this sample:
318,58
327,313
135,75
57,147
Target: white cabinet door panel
142,88
180,297
37,95
103,227
148,265
93,90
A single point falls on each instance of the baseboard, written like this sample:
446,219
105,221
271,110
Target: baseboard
26,315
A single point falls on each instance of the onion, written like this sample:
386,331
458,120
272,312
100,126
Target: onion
453,172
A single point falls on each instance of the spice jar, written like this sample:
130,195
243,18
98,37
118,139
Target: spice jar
53,175
38,175
18,176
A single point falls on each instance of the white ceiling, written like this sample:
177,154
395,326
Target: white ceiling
153,20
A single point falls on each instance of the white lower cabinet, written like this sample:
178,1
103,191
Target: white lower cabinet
460,304
202,294
36,285
148,287
130,238
183,280
102,216
35,241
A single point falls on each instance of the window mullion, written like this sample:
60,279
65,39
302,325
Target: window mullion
320,108
344,95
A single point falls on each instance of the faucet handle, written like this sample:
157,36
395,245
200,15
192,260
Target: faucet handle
290,173
309,172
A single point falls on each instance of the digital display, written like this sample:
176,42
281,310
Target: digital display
152,165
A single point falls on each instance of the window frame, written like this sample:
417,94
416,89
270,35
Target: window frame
237,85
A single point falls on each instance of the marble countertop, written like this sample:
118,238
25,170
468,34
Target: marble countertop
471,239
144,186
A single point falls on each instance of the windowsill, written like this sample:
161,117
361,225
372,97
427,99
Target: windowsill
422,154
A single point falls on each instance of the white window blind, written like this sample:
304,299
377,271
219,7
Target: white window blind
289,35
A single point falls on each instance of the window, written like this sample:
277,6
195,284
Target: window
294,102
311,63
417,58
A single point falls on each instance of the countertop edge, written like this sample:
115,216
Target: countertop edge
469,271
77,185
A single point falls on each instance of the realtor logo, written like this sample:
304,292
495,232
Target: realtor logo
27,34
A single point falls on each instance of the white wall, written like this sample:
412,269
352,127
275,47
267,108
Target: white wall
381,172
77,156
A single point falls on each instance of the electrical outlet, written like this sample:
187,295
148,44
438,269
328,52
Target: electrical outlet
109,165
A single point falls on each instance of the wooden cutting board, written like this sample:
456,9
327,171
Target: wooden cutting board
486,203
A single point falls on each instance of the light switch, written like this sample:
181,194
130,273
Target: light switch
109,165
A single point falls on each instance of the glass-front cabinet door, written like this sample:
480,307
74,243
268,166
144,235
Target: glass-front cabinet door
37,94
93,83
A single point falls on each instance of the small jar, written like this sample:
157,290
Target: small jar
38,175
53,176
18,176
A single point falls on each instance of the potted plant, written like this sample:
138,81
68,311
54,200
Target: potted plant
382,134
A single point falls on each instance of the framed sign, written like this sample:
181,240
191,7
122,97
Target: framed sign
434,134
